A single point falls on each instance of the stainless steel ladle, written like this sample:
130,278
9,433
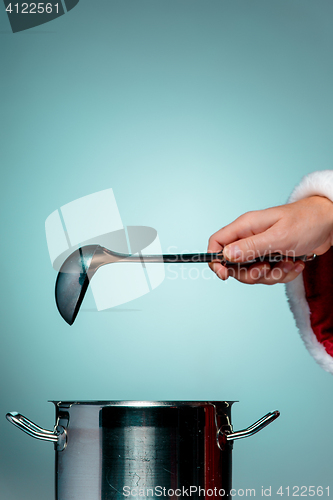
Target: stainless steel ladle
78,269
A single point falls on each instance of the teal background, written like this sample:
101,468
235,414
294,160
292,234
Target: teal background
193,111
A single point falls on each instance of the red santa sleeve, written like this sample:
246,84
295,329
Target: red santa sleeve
310,296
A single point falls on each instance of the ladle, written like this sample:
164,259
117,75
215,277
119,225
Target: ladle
78,269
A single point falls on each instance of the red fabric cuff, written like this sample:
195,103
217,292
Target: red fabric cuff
318,284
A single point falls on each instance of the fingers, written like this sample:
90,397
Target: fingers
256,234
251,235
261,273
283,272
245,226
252,247
221,271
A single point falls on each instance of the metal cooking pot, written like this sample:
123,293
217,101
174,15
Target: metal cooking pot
113,450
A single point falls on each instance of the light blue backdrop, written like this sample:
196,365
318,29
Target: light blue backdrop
194,112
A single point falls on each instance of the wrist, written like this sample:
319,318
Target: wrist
326,206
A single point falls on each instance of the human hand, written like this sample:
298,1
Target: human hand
301,228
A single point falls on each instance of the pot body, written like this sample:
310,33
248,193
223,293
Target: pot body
112,450
119,450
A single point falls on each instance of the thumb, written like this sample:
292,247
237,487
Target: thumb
249,248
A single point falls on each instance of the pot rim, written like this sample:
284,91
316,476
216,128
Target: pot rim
143,404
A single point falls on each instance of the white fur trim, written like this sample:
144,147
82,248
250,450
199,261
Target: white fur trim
317,183
300,309
321,184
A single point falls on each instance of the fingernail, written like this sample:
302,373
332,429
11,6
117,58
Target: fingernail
299,268
232,252
262,273
287,267
218,273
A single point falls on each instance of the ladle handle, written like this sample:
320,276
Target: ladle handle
190,257
273,258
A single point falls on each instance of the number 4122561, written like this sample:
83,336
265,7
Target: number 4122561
33,8
303,491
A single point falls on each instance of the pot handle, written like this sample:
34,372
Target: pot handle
225,435
58,436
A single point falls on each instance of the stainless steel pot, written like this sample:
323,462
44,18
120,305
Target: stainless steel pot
113,450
